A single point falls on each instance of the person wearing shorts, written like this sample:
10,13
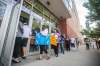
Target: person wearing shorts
18,43
43,41
43,48
26,35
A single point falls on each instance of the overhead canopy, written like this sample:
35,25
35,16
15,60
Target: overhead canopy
57,7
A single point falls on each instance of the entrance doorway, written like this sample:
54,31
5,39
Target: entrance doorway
35,29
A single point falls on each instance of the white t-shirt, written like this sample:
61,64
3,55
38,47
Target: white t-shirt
19,32
72,40
26,31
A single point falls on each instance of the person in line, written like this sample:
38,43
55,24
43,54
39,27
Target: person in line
98,43
93,44
18,42
67,43
87,42
62,41
26,35
57,35
77,42
43,41
53,43
73,43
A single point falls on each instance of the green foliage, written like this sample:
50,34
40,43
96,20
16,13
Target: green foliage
92,33
94,9
35,25
93,16
85,32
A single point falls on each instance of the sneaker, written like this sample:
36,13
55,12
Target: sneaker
16,61
23,57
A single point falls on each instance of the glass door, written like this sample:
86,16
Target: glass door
8,29
3,8
5,12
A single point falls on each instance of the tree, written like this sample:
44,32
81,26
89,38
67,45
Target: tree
94,9
95,33
94,16
85,32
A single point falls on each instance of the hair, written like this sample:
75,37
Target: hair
37,29
44,27
62,36
56,30
52,31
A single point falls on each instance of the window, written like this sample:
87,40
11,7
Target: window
70,3
66,3
2,11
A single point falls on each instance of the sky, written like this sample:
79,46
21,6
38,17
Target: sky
82,11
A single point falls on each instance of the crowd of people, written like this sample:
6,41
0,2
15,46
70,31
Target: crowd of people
92,43
55,41
44,40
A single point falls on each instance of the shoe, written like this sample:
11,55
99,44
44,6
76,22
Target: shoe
16,61
47,58
24,57
56,55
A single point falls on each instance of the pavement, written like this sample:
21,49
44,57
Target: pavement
76,57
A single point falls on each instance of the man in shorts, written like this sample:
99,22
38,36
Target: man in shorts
25,36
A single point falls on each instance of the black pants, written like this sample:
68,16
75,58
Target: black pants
68,47
17,47
55,48
43,48
98,46
72,45
87,46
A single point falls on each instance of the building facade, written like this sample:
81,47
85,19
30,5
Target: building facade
37,13
72,26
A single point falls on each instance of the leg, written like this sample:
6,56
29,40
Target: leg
46,52
41,52
24,49
16,52
68,48
56,51
63,49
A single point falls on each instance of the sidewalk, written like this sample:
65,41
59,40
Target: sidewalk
79,57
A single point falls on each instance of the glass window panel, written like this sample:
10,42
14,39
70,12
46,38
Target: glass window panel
2,11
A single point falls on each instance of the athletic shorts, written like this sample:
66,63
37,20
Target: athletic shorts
24,43
43,48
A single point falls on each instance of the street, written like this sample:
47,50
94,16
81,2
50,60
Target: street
79,57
